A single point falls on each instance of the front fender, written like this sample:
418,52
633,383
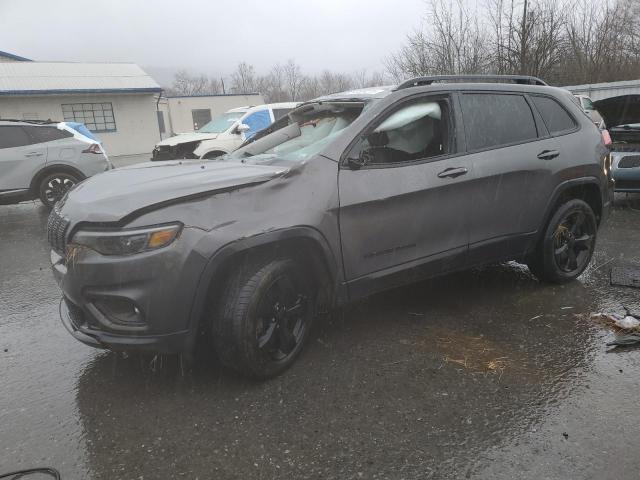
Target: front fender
225,145
247,244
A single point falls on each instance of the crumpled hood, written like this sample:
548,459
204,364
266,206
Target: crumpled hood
186,138
113,195
619,110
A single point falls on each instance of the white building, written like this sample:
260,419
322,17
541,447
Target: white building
182,114
116,101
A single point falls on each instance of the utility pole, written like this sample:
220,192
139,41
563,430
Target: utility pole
523,39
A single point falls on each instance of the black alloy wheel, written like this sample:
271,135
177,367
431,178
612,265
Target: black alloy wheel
281,322
566,247
54,186
573,242
263,317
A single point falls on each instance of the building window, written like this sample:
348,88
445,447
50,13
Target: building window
98,117
201,116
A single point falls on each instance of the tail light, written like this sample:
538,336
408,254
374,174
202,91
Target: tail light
93,148
606,138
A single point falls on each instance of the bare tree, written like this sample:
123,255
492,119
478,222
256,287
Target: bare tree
187,84
293,79
362,79
454,42
331,82
243,79
528,36
311,88
603,41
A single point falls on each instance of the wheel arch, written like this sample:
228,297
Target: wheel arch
587,189
49,169
305,244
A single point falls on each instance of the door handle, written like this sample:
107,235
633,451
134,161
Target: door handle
33,154
548,154
452,172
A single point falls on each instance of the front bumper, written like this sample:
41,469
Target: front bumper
625,170
159,286
172,152
81,331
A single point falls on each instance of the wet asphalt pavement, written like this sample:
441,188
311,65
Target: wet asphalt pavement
487,374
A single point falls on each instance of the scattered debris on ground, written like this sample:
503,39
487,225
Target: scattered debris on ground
626,327
625,275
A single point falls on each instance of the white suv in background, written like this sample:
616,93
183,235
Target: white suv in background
222,134
43,159
587,106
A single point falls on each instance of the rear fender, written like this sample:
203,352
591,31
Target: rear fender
563,188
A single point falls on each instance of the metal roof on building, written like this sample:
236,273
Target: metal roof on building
11,56
599,91
44,78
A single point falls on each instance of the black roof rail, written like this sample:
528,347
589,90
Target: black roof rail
37,122
521,79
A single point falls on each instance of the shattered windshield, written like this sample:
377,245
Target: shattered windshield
222,123
309,131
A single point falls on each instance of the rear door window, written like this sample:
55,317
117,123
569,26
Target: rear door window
494,120
555,117
12,136
46,134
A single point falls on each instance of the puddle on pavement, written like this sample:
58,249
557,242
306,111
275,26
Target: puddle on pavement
400,384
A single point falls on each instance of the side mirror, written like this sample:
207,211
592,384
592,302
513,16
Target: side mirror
355,163
242,127
363,159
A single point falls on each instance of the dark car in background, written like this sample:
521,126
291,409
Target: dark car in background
622,118
360,192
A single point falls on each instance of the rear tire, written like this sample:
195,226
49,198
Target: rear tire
53,187
568,243
263,317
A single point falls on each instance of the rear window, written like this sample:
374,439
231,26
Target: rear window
554,115
12,136
47,134
587,104
494,120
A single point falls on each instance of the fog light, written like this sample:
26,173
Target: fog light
120,311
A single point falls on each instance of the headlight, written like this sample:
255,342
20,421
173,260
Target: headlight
127,242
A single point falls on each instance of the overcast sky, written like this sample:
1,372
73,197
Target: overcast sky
210,36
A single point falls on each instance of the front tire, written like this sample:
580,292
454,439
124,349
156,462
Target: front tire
53,187
263,318
568,243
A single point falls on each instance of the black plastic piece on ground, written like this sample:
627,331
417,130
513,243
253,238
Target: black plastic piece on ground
626,275
23,474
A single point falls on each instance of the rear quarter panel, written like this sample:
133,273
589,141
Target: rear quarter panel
582,159
69,152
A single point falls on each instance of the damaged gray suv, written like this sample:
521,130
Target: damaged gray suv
348,195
